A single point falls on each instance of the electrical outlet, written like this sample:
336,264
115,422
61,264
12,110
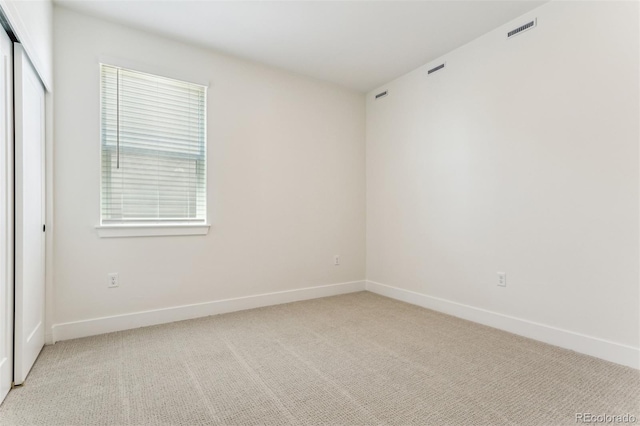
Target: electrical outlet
112,280
336,260
502,279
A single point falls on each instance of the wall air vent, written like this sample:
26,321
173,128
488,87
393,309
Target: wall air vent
382,95
522,28
434,69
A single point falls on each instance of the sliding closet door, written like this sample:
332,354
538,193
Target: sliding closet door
29,214
6,214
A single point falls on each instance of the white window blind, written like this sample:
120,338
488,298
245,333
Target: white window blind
153,148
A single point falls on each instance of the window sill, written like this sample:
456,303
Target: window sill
152,230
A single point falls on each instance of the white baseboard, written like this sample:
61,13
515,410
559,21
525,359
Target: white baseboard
95,326
600,348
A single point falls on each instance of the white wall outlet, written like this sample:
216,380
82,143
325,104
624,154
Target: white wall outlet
502,279
112,280
336,260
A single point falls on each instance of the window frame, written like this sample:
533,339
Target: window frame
150,227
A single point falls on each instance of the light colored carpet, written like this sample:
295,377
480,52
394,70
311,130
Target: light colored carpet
350,360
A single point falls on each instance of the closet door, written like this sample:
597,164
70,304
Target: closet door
6,214
29,214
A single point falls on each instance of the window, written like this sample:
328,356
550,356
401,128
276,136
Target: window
153,137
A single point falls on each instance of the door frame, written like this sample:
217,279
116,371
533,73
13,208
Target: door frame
6,219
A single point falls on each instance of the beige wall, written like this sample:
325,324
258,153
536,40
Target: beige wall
520,156
285,186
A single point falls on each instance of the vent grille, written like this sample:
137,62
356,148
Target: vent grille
522,28
382,95
434,69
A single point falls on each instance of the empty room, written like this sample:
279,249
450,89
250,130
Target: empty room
319,212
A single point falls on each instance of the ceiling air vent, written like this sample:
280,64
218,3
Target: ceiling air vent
522,28
434,69
382,95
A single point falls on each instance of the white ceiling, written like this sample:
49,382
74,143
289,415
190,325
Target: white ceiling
357,44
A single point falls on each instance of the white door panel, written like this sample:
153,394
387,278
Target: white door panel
29,215
6,214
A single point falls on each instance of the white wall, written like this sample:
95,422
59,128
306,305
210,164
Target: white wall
520,156
32,22
286,181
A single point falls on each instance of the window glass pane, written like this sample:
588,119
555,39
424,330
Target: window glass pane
153,148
